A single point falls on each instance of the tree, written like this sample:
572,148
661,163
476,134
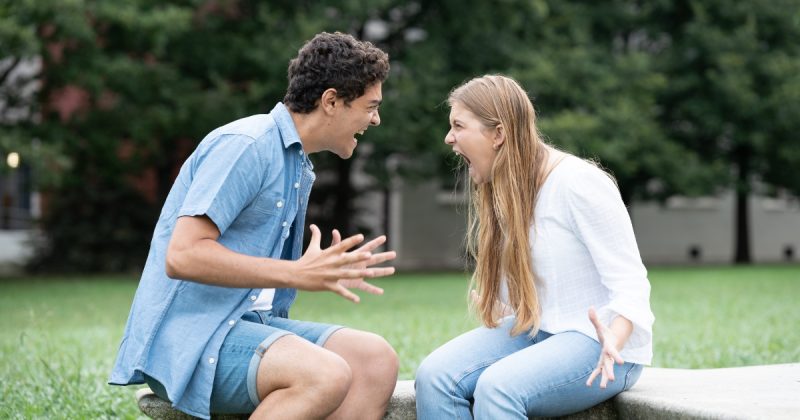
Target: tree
128,89
734,93
590,68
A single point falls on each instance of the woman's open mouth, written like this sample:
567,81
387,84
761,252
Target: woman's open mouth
466,159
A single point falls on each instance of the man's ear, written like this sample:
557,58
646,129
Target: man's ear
328,101
499,136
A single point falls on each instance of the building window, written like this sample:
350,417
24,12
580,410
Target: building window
16,209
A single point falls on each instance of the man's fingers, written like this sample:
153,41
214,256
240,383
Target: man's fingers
343,292
369,288
361,273
315,237
375,243
382,257
346,244
353,257
336,237
380,272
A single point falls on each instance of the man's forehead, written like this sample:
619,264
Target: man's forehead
373,93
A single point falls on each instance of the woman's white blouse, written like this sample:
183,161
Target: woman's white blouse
585,254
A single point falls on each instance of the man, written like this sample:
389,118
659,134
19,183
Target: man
209,328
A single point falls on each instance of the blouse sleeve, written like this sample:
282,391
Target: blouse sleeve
600,220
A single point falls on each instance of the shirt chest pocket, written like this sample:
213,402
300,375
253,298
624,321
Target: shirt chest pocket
269,203
264,211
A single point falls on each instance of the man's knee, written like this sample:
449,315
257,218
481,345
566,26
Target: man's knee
381,357
329,376
369,354
306,369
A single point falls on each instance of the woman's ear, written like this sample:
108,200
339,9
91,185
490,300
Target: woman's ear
499,137
328,100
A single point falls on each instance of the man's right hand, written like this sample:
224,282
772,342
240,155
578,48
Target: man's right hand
337,269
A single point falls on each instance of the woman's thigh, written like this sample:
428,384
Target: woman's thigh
457,364
549,378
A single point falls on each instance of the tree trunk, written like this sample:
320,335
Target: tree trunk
342,209
387,213
742,214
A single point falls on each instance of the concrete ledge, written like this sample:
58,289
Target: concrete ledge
755,392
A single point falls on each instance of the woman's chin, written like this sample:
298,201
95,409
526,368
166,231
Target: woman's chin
476,178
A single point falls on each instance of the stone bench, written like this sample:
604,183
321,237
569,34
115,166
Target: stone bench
755,392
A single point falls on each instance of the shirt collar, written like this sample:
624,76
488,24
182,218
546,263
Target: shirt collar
285,125
288,130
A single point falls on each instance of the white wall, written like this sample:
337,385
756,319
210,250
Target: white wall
14,250
428,226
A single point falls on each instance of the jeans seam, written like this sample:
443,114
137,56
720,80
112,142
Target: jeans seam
628,377
563,384
465,373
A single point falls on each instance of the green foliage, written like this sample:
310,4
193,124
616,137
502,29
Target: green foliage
669,96
733,69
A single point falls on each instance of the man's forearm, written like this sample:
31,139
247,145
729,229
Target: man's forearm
207,261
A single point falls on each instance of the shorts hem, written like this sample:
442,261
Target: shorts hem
252,370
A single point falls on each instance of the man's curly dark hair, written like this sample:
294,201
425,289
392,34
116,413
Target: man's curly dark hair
333,60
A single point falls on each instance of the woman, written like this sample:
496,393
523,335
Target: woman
551,240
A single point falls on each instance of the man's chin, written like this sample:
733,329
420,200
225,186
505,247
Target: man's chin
345,154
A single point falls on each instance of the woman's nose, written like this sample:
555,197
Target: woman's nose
449,138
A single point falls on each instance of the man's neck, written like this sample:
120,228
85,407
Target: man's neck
310,128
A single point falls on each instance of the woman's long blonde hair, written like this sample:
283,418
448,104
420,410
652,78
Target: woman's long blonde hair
501,211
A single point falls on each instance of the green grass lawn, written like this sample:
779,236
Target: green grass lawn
58,336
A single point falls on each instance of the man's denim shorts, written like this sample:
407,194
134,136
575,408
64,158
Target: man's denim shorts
234,390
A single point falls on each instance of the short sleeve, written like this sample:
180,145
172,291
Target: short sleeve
226,176
600,220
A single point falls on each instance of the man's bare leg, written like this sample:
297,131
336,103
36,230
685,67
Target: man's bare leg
299,380
373,363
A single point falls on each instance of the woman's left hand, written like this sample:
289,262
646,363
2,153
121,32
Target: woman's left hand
609,354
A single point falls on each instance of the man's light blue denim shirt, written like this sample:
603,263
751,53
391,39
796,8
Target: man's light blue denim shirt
252,179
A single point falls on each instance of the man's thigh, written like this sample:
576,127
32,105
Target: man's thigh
237,386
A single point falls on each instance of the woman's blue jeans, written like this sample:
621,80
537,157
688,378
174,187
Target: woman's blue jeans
509,377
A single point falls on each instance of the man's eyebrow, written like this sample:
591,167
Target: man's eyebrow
375,101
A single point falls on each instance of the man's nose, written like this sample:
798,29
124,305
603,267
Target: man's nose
376,118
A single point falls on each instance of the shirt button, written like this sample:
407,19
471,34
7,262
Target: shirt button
279,204
212,360
300,152
296,185
253,298
284,224
231,322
